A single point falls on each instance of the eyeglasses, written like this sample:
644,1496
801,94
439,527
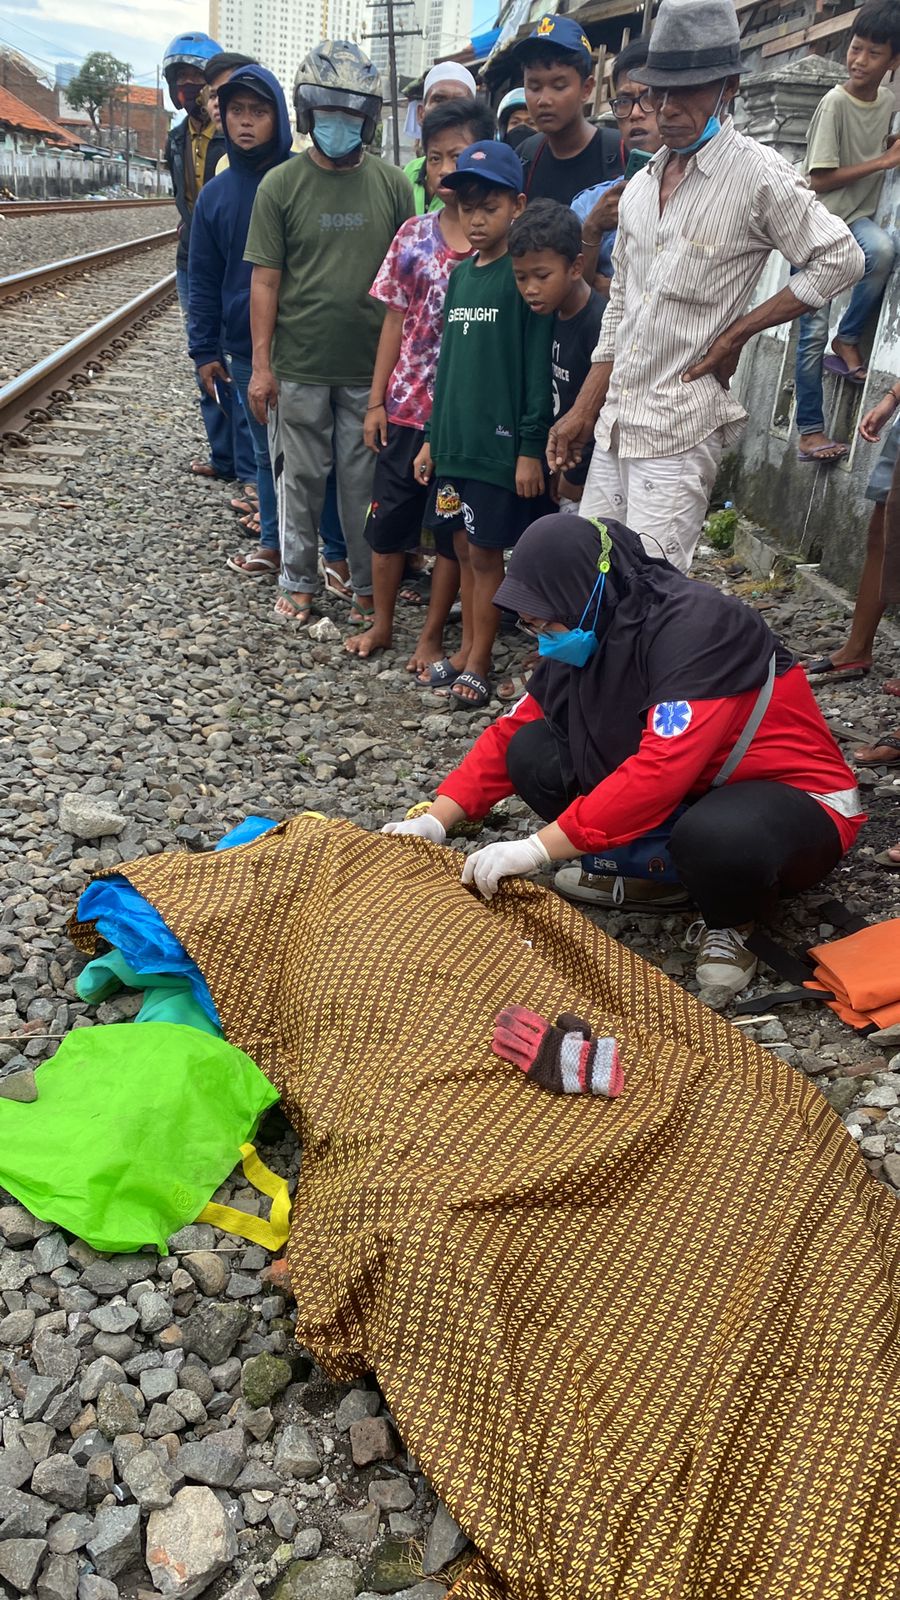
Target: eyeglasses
624,104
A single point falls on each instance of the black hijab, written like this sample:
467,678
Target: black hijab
663,636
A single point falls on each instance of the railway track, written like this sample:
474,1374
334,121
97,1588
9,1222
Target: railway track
65,319
50,305
20,283
41,208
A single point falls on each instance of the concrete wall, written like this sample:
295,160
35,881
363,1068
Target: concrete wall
818,510
46,176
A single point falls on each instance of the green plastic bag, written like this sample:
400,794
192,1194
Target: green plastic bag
133,1130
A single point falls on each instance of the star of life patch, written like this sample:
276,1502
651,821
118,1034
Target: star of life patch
672,717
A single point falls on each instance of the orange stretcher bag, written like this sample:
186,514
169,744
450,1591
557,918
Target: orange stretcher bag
857,975
862,973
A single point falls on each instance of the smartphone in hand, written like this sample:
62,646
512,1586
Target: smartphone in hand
636,161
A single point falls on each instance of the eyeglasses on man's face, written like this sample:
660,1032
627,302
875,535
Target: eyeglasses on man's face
623,105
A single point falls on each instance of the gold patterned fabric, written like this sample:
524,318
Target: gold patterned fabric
643,1348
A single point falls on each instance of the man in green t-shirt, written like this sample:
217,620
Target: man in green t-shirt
320,229
849,150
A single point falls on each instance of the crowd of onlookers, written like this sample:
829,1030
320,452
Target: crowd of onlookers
539,315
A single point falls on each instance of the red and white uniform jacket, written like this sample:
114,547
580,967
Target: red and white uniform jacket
683,747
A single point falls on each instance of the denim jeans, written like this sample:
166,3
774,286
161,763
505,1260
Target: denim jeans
230,445
331,533
878,248
241,369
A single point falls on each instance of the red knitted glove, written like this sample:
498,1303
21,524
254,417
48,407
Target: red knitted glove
565,1059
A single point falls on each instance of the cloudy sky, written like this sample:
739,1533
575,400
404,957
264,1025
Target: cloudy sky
67,30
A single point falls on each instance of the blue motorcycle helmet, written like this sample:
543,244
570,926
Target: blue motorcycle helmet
187,50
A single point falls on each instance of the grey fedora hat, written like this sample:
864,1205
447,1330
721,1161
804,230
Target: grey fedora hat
693,41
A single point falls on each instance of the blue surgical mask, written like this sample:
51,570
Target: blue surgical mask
573,648
576,646
336,133
713,126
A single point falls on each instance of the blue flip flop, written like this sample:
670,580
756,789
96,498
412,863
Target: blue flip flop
471,680
440,675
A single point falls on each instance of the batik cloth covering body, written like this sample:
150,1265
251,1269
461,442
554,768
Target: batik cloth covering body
643,1348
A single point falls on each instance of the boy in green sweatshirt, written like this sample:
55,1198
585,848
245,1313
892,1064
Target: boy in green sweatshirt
492,412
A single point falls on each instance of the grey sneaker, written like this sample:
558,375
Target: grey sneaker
638,894
723,960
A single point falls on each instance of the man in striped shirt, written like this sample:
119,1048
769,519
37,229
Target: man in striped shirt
695,231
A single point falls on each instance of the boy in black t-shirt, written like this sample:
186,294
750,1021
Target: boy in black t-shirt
567,154
546,252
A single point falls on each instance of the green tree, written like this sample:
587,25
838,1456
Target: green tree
96,84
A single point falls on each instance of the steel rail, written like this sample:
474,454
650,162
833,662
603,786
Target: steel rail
30,390
42,208
50,271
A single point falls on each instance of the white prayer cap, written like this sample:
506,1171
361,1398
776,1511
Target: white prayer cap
449,72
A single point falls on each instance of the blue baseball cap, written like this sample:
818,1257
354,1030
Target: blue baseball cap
564,33
491,163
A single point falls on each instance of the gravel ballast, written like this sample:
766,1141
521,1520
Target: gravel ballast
150,695
31,241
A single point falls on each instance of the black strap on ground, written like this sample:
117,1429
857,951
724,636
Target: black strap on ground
840,916
780,997
796,969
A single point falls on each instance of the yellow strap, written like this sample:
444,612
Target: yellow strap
271,1234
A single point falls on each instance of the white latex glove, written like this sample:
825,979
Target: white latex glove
424,827
515,858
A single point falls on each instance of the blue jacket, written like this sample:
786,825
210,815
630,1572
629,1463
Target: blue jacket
218,275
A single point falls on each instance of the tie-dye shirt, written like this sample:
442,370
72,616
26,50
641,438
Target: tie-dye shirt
413,279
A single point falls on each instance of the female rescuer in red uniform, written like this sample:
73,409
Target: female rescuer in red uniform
648,686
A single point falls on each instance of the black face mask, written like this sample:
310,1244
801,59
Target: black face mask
188,94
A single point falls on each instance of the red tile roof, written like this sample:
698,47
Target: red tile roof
138,96
16,114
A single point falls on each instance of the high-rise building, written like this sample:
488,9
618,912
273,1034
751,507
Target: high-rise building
448,28
279,33
409,21
65,72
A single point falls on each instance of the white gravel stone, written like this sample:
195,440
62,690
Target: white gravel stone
189,1544
87,818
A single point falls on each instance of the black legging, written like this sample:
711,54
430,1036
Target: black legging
736,849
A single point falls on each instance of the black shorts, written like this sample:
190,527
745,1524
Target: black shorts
492,518
394,523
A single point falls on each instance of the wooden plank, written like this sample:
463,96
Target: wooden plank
819,30
599,80
761,36
788,41
840,24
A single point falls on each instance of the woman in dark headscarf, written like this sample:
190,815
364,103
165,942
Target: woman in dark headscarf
654,693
